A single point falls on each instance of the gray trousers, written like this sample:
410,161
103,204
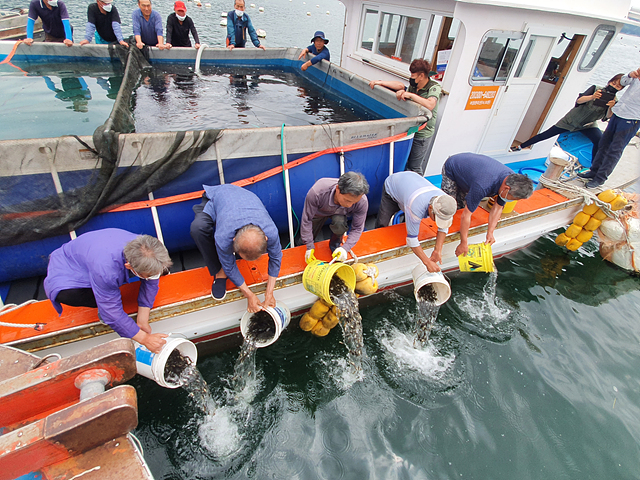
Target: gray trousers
418,157
338,226
388,208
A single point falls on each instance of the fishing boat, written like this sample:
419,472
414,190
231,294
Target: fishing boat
509,69
13,25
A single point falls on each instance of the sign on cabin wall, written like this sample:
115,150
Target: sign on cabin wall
481,98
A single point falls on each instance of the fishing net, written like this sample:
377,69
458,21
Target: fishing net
29,214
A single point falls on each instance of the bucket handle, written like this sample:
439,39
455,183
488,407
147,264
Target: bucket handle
177,334
354,259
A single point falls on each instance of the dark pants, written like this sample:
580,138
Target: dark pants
77,297
338,226
450,187
202,230
418,157
388,208
51,38
618,134
593,134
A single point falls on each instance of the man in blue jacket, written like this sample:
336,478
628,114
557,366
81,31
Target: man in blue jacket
147,26
238,23
318,49
232,222
55,21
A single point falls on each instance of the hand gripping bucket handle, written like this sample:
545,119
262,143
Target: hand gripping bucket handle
152,365
479,259
281,317
422,277
317,277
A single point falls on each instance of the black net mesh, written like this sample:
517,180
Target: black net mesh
114,180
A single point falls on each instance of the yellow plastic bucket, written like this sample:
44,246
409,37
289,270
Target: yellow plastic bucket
317,277
479,259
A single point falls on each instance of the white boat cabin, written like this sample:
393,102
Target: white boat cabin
510,68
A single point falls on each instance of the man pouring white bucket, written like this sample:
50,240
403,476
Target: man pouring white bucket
418,198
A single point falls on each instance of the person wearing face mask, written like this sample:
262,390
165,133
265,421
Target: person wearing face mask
55,21
418,198
103,24
318,49
238,23
147,26
178,27
335,198
425,92
470,177
583,116
89,271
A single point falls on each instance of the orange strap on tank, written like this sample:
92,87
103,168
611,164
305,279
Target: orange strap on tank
10,56
256,178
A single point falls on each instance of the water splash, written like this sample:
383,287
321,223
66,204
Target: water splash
350,321
488,309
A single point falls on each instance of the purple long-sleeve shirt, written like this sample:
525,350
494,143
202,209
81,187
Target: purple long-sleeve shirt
96,260
320,203
231,208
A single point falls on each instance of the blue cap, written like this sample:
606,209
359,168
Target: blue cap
319,34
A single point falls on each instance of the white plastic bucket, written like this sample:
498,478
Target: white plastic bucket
151,365
281,317
422,277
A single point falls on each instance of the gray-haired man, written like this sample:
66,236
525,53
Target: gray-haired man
336,198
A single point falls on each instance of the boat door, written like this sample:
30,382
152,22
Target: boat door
522,80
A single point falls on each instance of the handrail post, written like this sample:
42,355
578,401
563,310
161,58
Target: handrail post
287,189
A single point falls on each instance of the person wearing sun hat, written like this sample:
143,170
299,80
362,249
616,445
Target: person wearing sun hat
103,24
178,27
317,48
418,198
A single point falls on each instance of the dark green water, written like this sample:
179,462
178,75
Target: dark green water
537,382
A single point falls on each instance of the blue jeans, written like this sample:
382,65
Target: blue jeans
615,138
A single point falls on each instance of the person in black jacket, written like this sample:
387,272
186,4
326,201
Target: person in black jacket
178,27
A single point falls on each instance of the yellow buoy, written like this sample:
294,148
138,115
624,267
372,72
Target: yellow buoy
581,218
618,203
319,309
607,195
573,230
590,209
592,224
360,269
307,322
600,215
330,320
573,244
562,240
320,330
366,286
374,269
584,236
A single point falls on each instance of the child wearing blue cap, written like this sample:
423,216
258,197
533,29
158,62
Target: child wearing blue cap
317,48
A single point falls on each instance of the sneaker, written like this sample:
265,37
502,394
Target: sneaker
587,174
515,148
593,184
219,289
334,242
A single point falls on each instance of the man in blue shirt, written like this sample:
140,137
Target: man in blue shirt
232,221
470,177
147,26
103,24
55,21
89,271
418,198
318,49
238,23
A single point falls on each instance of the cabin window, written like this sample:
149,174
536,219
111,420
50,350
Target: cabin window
599,42
496,57
398,37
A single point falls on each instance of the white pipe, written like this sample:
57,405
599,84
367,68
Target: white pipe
219,160
341,144
156,220
287,191
199,56
391,149
56,178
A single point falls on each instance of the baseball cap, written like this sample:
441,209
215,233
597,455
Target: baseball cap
444,207
179,5
319,34
107,1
